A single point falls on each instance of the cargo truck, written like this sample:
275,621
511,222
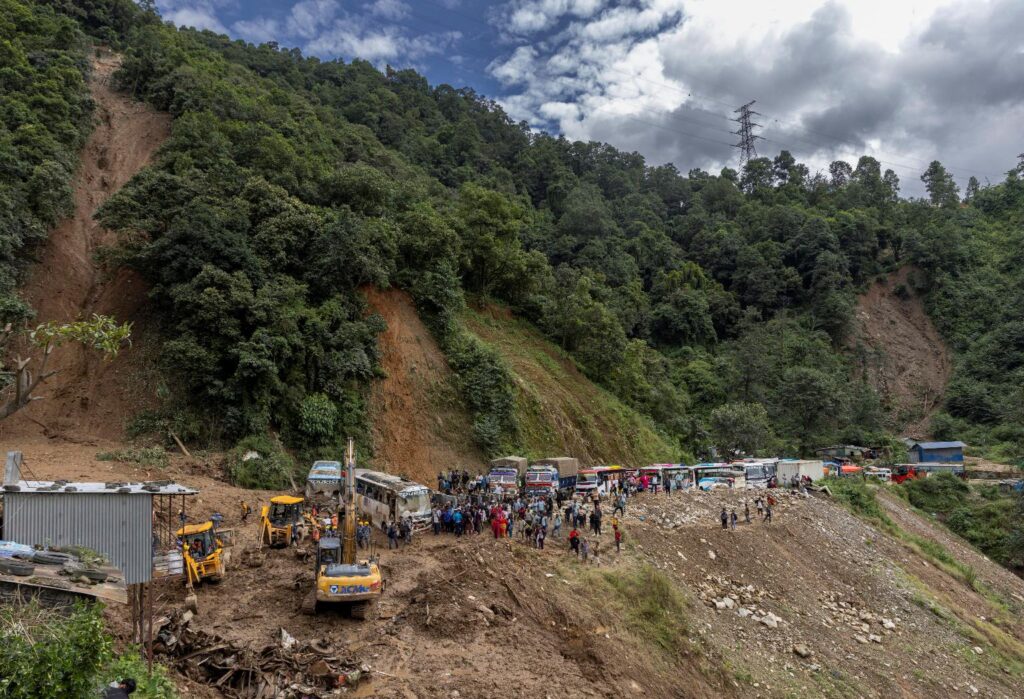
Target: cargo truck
546,476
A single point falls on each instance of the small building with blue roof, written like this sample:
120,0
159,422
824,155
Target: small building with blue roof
936,453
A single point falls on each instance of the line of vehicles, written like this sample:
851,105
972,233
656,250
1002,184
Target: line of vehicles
547,476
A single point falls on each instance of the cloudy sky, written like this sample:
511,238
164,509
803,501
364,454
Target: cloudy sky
907,81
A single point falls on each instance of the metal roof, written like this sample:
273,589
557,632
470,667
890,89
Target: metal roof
939,445
109,488
117,525
390,481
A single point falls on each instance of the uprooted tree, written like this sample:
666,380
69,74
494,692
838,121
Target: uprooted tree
101,333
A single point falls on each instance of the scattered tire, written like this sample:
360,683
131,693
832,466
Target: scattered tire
19,568
96,576
49,558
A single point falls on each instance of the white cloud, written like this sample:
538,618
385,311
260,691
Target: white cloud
258,30
905,81
198,17
529,16
388,9
309,17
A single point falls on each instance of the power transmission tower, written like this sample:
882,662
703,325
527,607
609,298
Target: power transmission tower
746,132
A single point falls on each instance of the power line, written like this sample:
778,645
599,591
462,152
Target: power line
689,93
746,132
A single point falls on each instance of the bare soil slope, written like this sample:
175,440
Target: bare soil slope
90,396
560,411
901,353
419,424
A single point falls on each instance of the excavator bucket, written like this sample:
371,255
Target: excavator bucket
191,601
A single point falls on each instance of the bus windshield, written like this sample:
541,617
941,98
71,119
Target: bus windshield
586,478
416,502
756,471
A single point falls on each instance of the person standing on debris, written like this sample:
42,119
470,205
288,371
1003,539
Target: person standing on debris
574,541
245,510
732,519
540,537
557,525
392,535
618,540
457,520
597,552
768,514
746,511
725,519
620,505
584,550
760,506
435,520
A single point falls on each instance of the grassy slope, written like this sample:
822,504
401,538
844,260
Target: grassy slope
560,411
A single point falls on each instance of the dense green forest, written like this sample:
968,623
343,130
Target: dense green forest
720,305
45,112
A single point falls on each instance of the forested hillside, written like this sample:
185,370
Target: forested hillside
718,305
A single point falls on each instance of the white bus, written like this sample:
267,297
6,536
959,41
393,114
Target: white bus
383,497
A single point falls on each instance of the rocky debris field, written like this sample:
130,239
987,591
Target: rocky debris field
819,603
816,603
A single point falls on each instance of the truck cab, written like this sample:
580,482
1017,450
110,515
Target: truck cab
541,480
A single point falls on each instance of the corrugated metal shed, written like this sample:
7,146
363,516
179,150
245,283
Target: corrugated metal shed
119,526
115,519
940,445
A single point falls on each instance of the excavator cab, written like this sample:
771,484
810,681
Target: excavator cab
202,552
279,518
355,585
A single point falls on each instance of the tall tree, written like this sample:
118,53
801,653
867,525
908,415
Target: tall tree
942,190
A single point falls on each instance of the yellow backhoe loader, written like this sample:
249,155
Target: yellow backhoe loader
279,519
340,577
203,553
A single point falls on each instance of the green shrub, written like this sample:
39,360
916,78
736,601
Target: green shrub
941,493
146,456
268,467
654,608
485,384
859,497
45,654
317,416
148,686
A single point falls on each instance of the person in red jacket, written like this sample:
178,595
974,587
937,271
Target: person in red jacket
574,541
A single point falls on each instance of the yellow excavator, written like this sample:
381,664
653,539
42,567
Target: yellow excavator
340,577
203,553
279,519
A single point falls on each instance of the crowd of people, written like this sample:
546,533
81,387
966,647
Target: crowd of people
539,520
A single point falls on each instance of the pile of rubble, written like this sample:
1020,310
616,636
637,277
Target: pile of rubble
723,594
868,627
286,669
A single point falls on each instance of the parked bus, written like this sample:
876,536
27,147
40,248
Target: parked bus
614,475
655,474
679,474
758,472
384,497
719,475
